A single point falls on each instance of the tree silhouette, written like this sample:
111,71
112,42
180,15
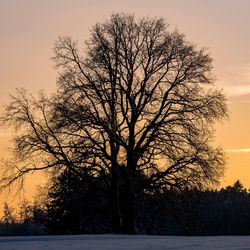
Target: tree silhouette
77,205
136,108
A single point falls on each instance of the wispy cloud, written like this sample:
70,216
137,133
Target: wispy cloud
235,80
238,150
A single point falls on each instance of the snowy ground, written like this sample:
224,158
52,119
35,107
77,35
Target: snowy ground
118,242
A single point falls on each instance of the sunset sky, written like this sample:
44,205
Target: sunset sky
28,29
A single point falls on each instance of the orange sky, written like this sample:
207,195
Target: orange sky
28,29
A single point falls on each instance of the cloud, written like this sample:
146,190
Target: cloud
240,97
235,81
238,150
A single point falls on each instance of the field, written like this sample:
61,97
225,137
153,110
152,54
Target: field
122,242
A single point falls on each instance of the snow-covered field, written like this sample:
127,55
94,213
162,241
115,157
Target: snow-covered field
118,242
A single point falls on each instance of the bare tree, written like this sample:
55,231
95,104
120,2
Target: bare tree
137,107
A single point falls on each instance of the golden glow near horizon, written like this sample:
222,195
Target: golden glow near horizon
29,28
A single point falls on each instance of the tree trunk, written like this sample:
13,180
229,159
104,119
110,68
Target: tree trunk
128,210
115,203
123,203
128,198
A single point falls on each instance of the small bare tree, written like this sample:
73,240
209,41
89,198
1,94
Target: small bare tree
137,107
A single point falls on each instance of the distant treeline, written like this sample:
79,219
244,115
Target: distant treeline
78,206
